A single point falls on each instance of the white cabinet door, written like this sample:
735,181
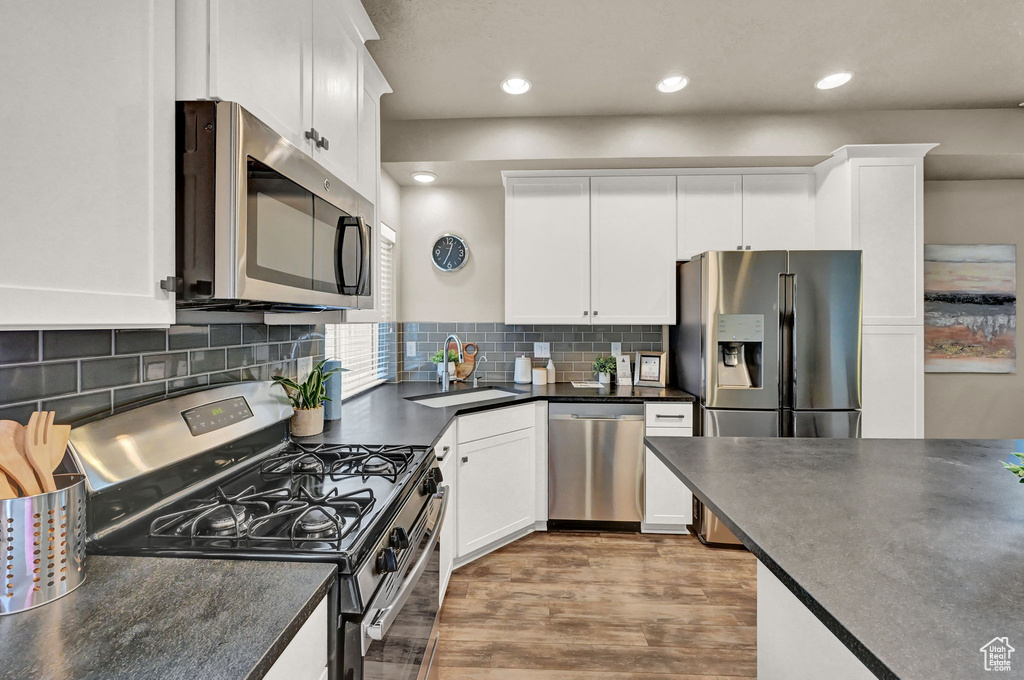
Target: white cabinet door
888,225
893,376
632,250
778,212
668,503
496,486
259,55
709,214
547,250
336,93
446,454
88,164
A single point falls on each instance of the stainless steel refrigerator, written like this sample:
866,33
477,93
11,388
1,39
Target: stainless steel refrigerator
770,341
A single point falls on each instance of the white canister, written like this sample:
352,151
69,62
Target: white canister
540,376
523,370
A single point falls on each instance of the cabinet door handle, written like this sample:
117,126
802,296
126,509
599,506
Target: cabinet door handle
323,143
748,248
465,459
739,247
585,313
311,133
595,312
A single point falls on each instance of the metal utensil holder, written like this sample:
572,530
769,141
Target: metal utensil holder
43,545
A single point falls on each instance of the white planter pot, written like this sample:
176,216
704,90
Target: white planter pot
604,378
451,371
307,422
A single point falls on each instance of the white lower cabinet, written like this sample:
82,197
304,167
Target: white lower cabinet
447,455
305,657
497,487
668,503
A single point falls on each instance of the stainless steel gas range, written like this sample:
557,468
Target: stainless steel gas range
213,474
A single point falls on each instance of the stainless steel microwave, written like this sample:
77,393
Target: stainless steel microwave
260,224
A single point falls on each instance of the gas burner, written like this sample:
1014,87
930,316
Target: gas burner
316,524
340,461
377,467
224,520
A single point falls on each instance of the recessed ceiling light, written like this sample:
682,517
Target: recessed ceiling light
516,85
424,177
672,83
834,80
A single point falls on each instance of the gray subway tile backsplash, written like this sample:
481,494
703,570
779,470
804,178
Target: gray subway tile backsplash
573,348
76,344
99,373
86,374
138,341
37,381
18,347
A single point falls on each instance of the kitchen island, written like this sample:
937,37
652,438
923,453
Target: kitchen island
908,553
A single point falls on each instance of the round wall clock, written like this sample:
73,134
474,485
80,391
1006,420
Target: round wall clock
449,253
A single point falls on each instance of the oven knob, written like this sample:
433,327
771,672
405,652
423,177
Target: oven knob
387,561
429,486
399,539
436,474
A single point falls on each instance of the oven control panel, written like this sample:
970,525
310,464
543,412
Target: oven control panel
215,415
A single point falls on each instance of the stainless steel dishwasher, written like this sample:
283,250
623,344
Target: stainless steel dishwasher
595,465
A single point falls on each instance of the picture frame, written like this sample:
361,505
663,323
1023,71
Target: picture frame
623,372
651,369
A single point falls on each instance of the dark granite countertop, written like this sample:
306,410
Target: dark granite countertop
143,617
909,551
383,415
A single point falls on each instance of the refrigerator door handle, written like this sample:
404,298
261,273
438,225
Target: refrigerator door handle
787,347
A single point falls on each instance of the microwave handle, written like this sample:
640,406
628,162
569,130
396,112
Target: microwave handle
364,261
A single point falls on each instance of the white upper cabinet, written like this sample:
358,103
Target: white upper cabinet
547,250
632,249
88,164
871,198
336,93
778,212
297,65
709,213
258,53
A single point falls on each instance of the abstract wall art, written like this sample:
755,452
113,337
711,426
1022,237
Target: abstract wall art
970,308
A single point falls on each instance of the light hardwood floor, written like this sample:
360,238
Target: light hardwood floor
601,606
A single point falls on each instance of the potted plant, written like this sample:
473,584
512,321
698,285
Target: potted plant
604,367
1016,468
308,398
453,357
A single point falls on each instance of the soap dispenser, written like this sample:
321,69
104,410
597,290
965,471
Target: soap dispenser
551,371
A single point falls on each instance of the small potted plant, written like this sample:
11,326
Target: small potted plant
453,357
1016,468
604,367
308,398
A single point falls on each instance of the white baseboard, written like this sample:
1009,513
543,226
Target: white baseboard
646,528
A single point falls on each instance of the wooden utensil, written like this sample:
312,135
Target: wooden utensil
60,434
37,447
12,457
6,490
465,369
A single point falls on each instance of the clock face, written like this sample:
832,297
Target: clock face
449,253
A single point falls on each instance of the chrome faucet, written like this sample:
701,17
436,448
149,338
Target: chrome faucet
444,359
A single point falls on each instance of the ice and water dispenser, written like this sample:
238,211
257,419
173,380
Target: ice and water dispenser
740,350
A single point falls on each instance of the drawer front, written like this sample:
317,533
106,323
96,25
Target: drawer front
499,421
669,432
669,415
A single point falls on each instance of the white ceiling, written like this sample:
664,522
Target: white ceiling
445,58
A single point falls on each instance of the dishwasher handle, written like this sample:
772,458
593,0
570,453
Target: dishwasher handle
576,416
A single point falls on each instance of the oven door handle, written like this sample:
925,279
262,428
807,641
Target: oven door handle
383,619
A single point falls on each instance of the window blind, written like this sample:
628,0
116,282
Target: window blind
362,347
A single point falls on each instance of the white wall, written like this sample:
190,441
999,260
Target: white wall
474,293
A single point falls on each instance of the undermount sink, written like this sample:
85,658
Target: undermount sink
464,396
